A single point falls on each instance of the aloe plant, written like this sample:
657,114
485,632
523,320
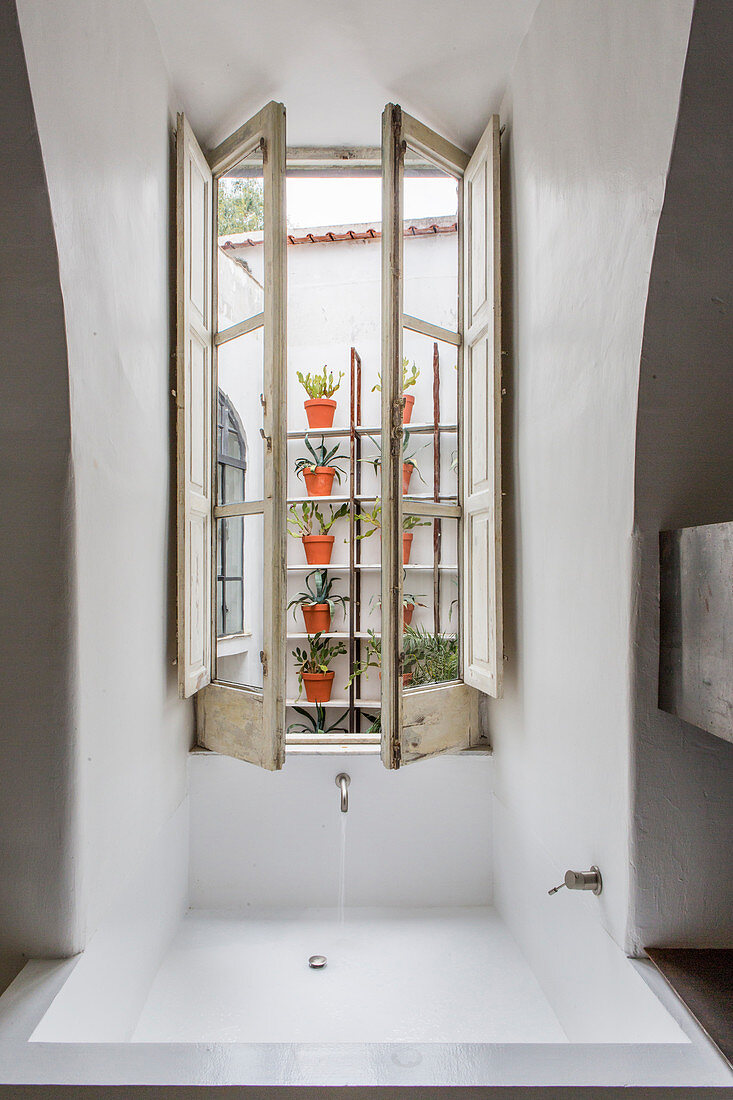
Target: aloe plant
320,456
315,724
302,518
408,457
318,386
318,586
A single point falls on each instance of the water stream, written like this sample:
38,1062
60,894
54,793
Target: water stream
342,871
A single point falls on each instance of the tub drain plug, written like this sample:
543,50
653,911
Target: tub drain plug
317,962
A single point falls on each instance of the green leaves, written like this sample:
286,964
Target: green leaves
410,375
302,518
320,456
318,590
318,386
315,724
241,206
317,658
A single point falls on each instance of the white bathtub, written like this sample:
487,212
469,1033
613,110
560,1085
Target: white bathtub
201,977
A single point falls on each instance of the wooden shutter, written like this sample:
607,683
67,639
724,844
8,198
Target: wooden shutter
243,722
193,410
482,610
437,718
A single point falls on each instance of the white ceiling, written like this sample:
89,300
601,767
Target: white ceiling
335,63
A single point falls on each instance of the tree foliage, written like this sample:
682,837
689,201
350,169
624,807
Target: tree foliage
240,206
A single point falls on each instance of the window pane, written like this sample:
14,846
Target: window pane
240,600
240,378
430,289
432,371
240,253
430,585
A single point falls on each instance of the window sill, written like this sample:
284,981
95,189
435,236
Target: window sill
229,644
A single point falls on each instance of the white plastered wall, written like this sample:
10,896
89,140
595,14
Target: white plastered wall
590,113
104,113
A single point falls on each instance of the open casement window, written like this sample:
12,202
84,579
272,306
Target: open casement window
439,712
238,671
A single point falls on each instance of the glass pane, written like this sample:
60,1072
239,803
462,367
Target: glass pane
431,607
240,558
240,375
431,413
240,230
430,289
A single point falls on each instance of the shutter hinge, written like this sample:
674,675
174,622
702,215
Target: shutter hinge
267,439
263,662
396,427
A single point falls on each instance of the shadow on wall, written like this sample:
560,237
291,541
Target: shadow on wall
37,758
682,777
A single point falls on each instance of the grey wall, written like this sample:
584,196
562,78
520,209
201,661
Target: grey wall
682,855
590,113
37,757
104,111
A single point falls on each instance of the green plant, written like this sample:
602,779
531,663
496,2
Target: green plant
376,722
410,375
302,518
372,517
320,456
408,600
432,658
318,590
315,724
317,658
372,658
318,386
408,457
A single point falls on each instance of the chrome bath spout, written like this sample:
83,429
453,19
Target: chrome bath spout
342,782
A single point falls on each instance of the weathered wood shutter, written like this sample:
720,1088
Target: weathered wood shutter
249,723
482,606
193,410
434,719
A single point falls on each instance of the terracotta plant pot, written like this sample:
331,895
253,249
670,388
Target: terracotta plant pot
407,537
317,617
319,411
406,678
407,469
408,610
407,414
318,548
318,686
318,482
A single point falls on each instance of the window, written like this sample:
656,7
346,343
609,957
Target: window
231,446
425,700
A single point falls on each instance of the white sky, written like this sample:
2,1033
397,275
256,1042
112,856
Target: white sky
336,201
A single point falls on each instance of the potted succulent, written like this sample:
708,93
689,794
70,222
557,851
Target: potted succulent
409,466
318,469
409,603
410,375
312,667
314,725
372,517
319,407
316,602
307,522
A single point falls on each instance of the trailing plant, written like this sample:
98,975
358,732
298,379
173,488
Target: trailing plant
408,456
410,375
372,658
317,658
320,456
318,386
315,724
373,518
302,518
318,586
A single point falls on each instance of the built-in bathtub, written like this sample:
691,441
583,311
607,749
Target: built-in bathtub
200,976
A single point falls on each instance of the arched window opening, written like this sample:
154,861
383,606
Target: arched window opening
231,469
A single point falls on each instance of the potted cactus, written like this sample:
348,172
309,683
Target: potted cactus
320,407
410,375
318,469
312,666
372,517
307,522
316,602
